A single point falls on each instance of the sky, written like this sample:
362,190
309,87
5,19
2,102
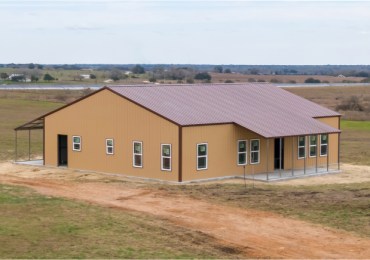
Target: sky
185,32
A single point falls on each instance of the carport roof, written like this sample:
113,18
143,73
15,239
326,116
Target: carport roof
262,108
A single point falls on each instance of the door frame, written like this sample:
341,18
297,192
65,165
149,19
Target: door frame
59,148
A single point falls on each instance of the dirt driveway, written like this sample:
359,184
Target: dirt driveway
257,233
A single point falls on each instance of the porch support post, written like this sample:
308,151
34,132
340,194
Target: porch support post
280,157
292,155
317,150
305,154
327,155
339,151
267,159
16,146
29,144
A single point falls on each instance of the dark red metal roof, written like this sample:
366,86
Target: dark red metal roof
262,108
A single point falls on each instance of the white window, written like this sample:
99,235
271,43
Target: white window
109,146
242,152
313,145
301,147
166,153
137,154
202,156
324,145
76,143
255,151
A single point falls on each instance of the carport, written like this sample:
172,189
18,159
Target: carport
36,124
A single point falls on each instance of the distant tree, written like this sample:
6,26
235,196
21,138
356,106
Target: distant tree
31,66
190,81
275,80
227,71
362,74
92,76
48,77
152,79
251,80
229,81
218,69
4,75
203,76
254,71
138,69
39,66
34,78
116,75
312,80
18,78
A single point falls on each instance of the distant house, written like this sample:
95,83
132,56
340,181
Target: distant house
108,81
341,76
85,76
191,132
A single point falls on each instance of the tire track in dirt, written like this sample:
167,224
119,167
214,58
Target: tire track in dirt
256,233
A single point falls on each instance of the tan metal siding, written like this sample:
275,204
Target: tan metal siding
331,121
310,161
222,151
106,115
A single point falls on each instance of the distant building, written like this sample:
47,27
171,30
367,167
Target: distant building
341,76
85,76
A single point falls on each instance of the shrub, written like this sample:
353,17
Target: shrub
351,104
312,80
229,81
203,76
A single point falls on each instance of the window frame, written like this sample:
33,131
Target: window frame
133,154
327,142
259,151
169,157
108,146
199,156
304,147
309,146
238,152
73,143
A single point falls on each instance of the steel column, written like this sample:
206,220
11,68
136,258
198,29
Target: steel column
317,154
292,156
280,158
29,144
305,154
16,146
327,155
267,158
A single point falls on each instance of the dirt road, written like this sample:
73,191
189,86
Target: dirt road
257,233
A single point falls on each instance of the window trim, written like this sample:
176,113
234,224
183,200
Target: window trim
237,152
206,156
107,146
309,145
259,151
327,142
162,157
133,154
73,143
304,146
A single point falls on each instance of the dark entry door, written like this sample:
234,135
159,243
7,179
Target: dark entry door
279,153
62,150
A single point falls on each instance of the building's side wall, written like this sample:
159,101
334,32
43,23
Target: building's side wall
106,115
222,151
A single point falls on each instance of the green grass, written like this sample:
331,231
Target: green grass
342,206
36,226
355,125
355,142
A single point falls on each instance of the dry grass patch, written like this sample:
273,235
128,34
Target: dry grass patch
36,226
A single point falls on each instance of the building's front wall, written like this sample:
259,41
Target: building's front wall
106,115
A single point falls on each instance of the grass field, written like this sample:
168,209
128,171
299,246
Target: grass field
35,226
341,206
355,142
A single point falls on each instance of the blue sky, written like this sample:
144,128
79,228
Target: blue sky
198,32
